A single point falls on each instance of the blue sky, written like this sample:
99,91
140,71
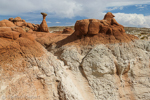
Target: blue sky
130,13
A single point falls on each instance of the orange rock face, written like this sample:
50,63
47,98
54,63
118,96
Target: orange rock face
30,26
43,25
11,32
22,23
107,29
10,35
6,23
94,31
94,26
81,27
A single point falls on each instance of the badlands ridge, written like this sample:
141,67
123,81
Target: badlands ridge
97,61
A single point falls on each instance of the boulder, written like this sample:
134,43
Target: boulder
11,19
30,26
81,27
68,30
93,26
18,19
6,23
43,25
37,27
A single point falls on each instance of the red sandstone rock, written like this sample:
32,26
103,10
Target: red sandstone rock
4,29
30,26
22,23
94,26
18,18
18,29
68,30
37,27
81,27
43,25
6,23
11,19
19,24
18,21
30,30
10,34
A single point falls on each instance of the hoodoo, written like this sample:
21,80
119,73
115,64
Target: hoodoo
43,25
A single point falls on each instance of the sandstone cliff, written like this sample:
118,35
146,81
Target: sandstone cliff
90,64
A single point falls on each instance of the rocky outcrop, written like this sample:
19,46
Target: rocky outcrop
27,27
17,21
68,30
6,23
108,27
43,25
11,32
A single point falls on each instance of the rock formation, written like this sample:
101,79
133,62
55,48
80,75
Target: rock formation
6,23
94,26
68,30
93,63
28,27
43,25
23,24
17,21
106,30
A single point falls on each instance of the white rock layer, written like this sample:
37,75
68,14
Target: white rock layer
103,72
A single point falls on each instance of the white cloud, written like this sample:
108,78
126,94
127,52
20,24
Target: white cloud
133,20
63,8
57,22
115,8
71,8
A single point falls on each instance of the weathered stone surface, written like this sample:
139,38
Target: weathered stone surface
107,26
114,71
68,30
11,32
22,23
81,27
6,23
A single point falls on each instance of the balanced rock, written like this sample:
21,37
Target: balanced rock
6,23
43,25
